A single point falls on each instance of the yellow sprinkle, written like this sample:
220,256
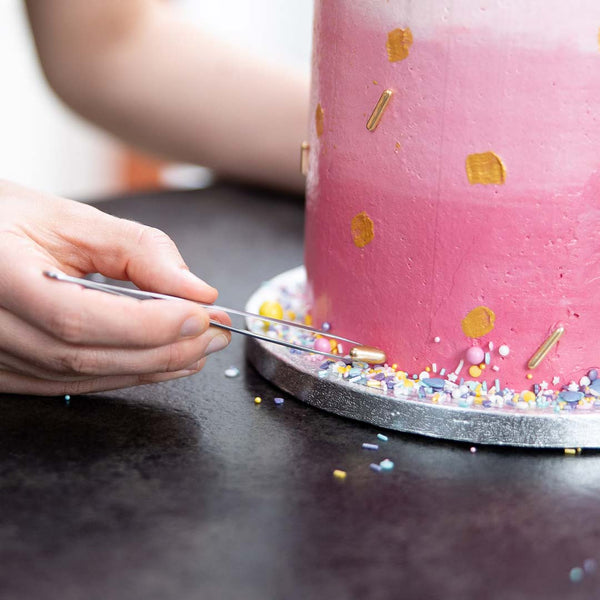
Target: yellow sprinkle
291,315
394,366
428,369
528,396
308,320
339,474
485,168
474,371
271,309
257,400
570,451
482,366
373,383
529,376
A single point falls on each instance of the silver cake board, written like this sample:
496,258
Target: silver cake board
297,374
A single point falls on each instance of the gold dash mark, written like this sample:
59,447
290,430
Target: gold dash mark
485,168
543,350
379,110
363,230
398,44
304,152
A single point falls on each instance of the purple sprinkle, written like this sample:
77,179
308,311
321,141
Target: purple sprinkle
375,467
379,376
278,401
370,446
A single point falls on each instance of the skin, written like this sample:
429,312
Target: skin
159,82
57,338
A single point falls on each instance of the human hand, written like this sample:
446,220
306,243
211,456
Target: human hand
63,339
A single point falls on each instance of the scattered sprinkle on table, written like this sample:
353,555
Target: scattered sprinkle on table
386,464
375,467
383,438
339,474
257,400
67,399
576,574
472,449
232,372
370,446
278,401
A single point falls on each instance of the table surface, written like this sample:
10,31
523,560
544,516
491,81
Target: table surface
189,490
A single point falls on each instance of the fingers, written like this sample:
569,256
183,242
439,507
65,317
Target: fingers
29,351
127,250
13,383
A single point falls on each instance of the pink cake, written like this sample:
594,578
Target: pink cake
468,213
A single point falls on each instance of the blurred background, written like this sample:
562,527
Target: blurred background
45,146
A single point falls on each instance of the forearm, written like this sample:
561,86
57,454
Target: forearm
137,70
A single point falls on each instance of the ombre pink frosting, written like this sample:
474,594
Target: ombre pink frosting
492,76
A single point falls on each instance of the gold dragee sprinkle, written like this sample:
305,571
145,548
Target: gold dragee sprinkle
363,230
398,44
379,110
485,168
304,151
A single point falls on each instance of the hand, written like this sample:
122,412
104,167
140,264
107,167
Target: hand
58,338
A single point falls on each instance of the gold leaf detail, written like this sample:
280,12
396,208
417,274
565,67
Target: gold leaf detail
478,322
363,231
319,116
485,168
398,44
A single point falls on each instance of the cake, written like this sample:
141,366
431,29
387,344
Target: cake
453,185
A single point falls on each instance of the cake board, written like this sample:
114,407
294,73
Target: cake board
298,374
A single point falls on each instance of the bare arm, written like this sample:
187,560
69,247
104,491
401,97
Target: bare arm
136,69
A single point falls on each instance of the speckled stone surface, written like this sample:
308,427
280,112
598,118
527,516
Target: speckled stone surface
188,490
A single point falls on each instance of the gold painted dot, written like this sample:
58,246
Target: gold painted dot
319,116
363,230
398,44
485,168
478,322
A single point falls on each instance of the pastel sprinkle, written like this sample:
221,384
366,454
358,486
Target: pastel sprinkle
257,400
383,438
504,351
386,464
375,467
278,401
472,450
370,446
232,372
339,474
576,574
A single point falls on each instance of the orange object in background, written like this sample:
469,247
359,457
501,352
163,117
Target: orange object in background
140,172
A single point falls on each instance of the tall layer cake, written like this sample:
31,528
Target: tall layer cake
453,190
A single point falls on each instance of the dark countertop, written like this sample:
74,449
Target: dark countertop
189,490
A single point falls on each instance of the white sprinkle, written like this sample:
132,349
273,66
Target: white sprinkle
504,351
232,372
491,346
555,380
472,449
423,375
436,339
584,381
458,369
434,367
495,368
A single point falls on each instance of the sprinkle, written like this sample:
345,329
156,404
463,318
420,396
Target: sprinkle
375,467
370,446
232,372
474,371
434,367
472,450
67,399
257,400
383,438
339,474
504,351
488,358
437,339
319,118
529,376
576,574
458,369
379,109
546,346
278,401
570,451
491,346
386,464
326,326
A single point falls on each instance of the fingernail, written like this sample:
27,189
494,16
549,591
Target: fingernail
196,279
192,327
217,343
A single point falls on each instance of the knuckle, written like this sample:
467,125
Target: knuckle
67,326
77,362
176,358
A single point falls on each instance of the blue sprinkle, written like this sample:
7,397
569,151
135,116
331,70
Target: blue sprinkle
593,374
570,397
67,399
434,382
595,385
326,326
443,371
278,401
488,358
383,438
370,446
375,467
386,464
576,574
497,386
